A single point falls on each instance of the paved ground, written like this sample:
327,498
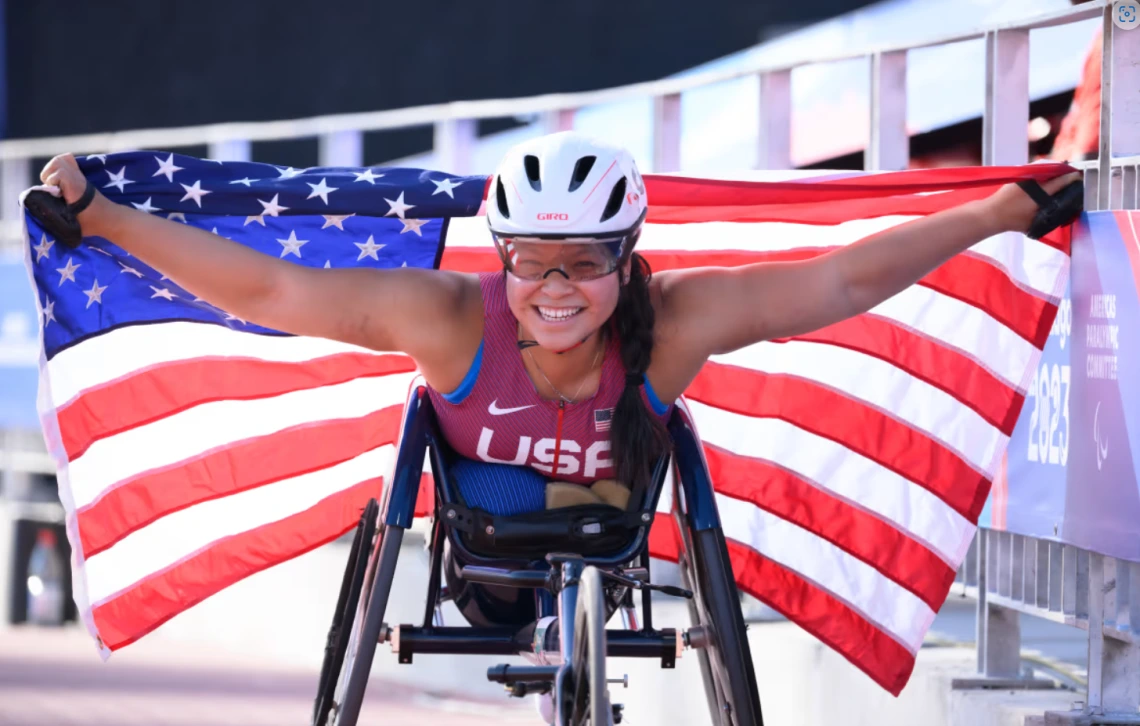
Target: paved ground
53,677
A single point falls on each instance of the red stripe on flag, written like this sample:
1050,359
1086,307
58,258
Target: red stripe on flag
151,602
682,191
238,467
850,423
822,615
863,535
164,390
926,359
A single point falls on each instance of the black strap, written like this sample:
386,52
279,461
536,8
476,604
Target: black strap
84,201
1056,210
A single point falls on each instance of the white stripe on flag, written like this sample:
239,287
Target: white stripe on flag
894,609
217,425
111,356
961,326
844,473
883,386
177,536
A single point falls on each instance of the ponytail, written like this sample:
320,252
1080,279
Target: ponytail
637,437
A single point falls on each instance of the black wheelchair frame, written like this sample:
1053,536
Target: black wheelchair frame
717,633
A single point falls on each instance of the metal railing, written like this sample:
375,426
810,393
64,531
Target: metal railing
341,141
1009,574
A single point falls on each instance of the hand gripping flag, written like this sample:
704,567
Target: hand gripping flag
851,463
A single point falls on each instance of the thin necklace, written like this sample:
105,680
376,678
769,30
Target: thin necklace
580,385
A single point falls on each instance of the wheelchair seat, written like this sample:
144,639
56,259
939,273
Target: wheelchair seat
600,533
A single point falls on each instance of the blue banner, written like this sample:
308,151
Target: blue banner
1070,467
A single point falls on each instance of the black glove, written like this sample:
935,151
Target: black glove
1061,208
58,217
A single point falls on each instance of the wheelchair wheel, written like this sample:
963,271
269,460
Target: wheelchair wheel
344,615
726,659
365,633
588,700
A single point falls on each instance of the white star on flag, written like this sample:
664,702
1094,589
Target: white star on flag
292,246
259,218
68,273
290,172
177,215
368,249
167,167
247,181
336,220
195,192
162,293
119,180
145,206
327,265
367,176
100,157
446,187
95,294
272,208
49,315
321,190
130,271
413,225
43,248
398,207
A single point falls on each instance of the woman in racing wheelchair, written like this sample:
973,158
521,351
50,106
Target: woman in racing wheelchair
562,367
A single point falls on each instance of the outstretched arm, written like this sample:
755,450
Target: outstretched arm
724,309
410,310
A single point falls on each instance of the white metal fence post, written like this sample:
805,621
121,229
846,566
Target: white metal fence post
775,142
1119,106
1005,125
342,148
230,150
454,140
560,120
667,133
888,148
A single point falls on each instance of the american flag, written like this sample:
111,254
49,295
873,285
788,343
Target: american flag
851,463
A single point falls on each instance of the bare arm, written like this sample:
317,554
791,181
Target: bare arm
724,309
411,310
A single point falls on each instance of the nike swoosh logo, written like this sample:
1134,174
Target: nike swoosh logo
494,409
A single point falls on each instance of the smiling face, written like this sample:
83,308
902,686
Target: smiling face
555,311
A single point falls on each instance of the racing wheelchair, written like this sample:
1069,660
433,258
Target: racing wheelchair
542,585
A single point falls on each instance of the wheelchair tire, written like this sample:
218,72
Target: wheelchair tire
344,614
726,660
589,703
365,633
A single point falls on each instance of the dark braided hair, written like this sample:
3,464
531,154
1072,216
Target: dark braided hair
637,437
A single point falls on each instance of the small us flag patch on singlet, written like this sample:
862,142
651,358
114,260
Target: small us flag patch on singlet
602,418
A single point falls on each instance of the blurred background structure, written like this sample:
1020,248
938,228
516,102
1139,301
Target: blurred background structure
721,87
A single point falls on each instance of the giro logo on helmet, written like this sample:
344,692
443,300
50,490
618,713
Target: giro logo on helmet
545,216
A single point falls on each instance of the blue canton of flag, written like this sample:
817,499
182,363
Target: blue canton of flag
318,217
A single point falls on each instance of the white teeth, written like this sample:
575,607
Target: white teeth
555,314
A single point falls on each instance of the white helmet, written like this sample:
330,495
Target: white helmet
567,187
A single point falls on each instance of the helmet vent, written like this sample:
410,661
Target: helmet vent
617,196
530,161
501,198
581,171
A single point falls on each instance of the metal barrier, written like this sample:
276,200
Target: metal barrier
341,136
1008,574
1011,574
